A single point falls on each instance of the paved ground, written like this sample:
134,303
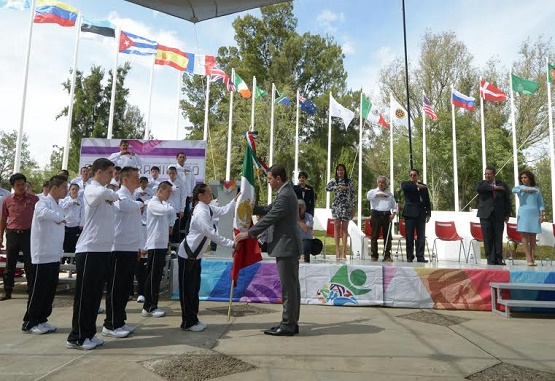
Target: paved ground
335,343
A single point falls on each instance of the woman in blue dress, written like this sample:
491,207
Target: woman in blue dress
342,208
530,214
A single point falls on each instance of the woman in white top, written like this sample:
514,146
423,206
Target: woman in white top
201,230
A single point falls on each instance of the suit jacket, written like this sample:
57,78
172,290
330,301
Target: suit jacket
500,205
417,201
309,197
281,216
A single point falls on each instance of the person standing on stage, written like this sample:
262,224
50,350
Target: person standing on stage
74,210
154,178
47,238
15,221
177,200
284,243
190,253
125,157
494,209
305,192
127,243
92,256
416,212
382,212
83,181
159,221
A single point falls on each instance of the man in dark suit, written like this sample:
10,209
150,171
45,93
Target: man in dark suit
494,208
284,243
305,192
417,213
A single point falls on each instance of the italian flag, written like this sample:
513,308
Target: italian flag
248,251
242,87
371,113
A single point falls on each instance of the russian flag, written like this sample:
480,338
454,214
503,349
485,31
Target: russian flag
55,12
462,101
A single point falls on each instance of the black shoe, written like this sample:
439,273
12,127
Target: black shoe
277,327
279,332
6,296
422,260
500,263
410,259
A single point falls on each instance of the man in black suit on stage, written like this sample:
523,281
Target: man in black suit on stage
494,209
417,213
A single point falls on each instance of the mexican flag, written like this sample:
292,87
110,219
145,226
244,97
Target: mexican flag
248,252
371,113
241,87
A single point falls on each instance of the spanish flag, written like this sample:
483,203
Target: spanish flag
49,11
173,57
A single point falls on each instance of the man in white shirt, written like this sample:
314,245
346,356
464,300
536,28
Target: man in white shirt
382,212
154,180
159,219
47,237
188,179
45,190
74,210
143,191
125,157
93,252
177,200
83,181
127,243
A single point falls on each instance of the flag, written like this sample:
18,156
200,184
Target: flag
491,93
307,106
132,44
49,11
241,86
172,57
551,72
282,99
524,86
463,101
427,107
399,115
371,113
258,93
218,75
341,112
203,64
18,5
98,26
248,252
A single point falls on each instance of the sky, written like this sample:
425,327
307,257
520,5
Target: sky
369,31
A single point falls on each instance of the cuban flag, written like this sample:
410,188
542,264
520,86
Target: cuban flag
132,44
463,101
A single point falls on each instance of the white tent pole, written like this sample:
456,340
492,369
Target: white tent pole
229,132
149,105
455,172
114,87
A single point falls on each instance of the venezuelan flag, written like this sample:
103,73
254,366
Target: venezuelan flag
49,11
173,57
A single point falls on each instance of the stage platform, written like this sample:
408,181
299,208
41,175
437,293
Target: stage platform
440,285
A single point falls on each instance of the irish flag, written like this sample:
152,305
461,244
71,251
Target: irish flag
248,251
371,113
242,87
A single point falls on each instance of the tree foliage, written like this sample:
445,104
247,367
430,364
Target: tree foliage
8,142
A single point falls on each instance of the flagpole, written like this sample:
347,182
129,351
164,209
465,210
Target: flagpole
455,172
229,132
252,104
515,156
230,299
271,136
329,153
359,203
19,141
114,87
65,158
296,172
206,105
424,164
178,116
411,162
484,165
149,106
551,148
391,142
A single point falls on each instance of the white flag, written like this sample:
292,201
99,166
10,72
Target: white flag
399,116
341,112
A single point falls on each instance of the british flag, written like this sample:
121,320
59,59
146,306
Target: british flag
218,75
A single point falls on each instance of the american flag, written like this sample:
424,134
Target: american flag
428,110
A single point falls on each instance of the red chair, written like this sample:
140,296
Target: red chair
476,232
514,238
403,233
330,232
447,231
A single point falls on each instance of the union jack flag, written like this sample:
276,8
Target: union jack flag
218,75
428,110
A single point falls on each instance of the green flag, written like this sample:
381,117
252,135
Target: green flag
258,92
524,86
551,73
366,105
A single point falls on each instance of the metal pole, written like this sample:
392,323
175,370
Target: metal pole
411,163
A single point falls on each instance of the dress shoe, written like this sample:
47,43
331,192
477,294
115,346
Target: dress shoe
6,296
277,327
279,332
422,260
387,258
500,263
373,259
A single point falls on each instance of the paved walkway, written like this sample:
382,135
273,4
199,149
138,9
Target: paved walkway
335,343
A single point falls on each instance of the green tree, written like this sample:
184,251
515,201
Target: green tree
8,142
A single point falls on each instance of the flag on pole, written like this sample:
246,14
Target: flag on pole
172,57
17,5
203,64
100,27
399,115
371,113
248,251
259,93
282,99
133,44
491,93
218,75
339,111
49,11
428,109
241,86
307,105
463,101
524,86
551,72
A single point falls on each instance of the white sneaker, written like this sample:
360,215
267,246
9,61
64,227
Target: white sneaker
128,328
49,326
39,329
97,341
199,327
156,313
140,299
118,332
86,346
